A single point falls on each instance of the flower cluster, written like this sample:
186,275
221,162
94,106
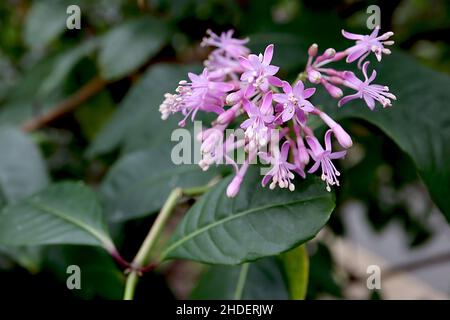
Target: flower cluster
274,114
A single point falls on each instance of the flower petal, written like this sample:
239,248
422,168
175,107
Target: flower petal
351,36
298,89
314,145
268,53
287,87
284,151
355,54
328,139
307,93
348,98
337,155
280,97
369,101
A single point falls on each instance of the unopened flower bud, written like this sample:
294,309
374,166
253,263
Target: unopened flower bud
314,76
226,117
234,97
312,51
334,91
329,53
234,186
341,136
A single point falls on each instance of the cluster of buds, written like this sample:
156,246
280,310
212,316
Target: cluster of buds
274,115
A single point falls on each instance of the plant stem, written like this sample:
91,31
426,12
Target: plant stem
241,282
199,190
150,241
83,94
195,191
130,286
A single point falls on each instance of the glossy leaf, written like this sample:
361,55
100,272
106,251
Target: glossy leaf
63,213
130,45
259,222
100,277
22,168
140,182
260,280
64,63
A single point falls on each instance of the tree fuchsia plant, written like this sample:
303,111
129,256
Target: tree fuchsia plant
238,85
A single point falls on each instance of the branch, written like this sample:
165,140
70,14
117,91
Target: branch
82,95
417,264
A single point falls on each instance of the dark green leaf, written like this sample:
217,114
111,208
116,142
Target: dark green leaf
130,45
46,20
63,213
63,64
22,169
29,258
259,222
99,274
260,280
140,182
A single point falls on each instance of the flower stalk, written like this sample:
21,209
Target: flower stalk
149,243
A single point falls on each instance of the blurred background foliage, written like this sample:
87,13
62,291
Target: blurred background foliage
108,79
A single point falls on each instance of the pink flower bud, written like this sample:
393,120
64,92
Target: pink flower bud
234,97
334,91
303,155
312,51
329,53
227,116
341,136
314,76
234,186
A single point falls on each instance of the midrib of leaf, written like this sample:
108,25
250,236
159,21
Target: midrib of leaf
242,279
225,220
104,239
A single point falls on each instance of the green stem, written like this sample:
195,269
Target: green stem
130,285
199,190
196,191
150,241
241,282
157,227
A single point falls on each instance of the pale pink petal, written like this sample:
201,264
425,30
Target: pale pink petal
351,36
307,93
348,98
284,151
369,101
337,155
268,53
287,87
328,140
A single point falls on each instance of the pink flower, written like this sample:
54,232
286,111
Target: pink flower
366,44
365,90
256,129
294,99
204,93
280,172
226,44
239,88
323,159
260,73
